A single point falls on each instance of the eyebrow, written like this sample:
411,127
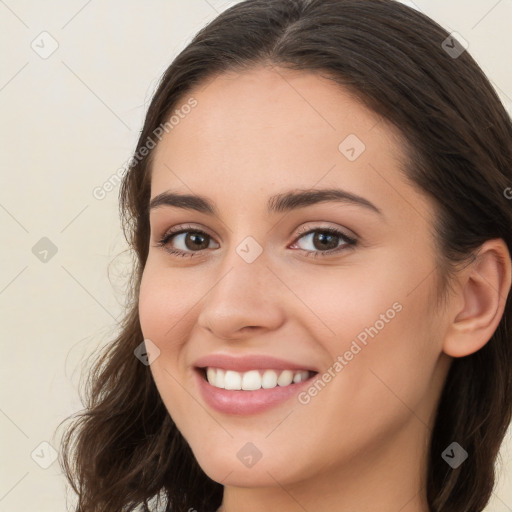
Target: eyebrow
283,202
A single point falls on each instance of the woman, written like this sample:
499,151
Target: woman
321,301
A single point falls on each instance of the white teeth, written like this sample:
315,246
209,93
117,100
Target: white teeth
211,374
269,379
220,379
286,378
253,379
299,377
232,380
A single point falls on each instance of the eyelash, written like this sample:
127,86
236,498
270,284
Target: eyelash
178,230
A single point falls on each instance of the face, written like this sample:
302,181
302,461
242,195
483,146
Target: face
331,290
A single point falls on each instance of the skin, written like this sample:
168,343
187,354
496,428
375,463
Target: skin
361,443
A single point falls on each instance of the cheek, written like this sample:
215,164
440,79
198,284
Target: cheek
390,349
373,300
379,323
165,319
165,299
165,312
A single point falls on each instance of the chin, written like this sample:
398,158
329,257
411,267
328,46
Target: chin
221,468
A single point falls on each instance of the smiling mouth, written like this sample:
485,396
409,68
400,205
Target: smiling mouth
253,380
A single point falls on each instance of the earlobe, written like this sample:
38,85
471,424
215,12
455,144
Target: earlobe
484,287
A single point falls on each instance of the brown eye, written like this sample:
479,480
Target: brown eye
324,241
185,242
196,241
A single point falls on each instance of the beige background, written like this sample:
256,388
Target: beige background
69,122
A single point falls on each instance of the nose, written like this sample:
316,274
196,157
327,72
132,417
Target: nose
244,298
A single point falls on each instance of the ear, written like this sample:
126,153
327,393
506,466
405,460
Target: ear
480,300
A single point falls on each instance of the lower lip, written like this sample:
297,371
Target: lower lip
247,402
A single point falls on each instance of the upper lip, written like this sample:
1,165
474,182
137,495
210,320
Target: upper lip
248,362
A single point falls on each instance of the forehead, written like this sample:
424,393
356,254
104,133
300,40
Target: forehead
269,128
266,110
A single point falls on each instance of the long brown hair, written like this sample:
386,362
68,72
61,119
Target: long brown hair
124,449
